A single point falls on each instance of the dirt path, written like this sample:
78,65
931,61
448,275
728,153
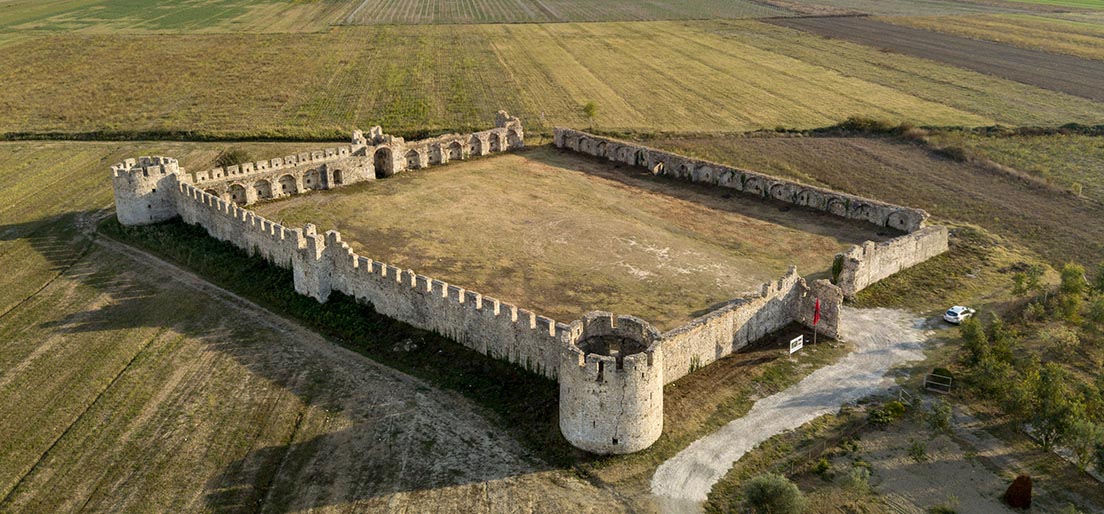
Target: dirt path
883,339
1065,73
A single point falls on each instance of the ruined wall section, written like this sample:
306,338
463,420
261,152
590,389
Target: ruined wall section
673,165
870,262
862,264
369,157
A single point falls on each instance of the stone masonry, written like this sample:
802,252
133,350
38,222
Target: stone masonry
611,369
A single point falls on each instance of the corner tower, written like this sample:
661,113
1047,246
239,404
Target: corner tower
143,189
611,384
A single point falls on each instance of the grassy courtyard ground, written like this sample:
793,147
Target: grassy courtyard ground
561,234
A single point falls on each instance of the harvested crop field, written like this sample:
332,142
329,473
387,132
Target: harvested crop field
1055,224
895,7
648,76
1046,33
368,12
1065,73
562,234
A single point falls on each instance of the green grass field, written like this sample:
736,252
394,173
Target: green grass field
694,76
562,235
1080,38
1067,161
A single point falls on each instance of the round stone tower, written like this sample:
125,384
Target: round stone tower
611,384
143,189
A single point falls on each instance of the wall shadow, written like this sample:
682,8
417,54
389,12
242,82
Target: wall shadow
382,433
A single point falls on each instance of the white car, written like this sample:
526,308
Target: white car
957,314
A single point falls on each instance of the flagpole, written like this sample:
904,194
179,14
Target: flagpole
816,319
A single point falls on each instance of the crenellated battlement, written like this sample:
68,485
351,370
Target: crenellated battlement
154,166
245,170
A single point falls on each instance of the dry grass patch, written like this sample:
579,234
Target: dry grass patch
562,234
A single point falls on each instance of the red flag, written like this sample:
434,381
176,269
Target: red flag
816,312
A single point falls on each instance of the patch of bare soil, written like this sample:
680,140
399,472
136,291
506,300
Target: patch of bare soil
1065,73
947,475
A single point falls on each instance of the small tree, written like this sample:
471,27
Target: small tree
1098,283
1019,283
1100,457
1071,291
974,341
590,110
1034,280
1000,339
1083,439
1054,408
774,494
940,416
1096,316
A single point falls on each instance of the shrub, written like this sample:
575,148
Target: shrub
942,509
774,494
822,467
1060,339
1018,495
837,268
232,156
1019,283
1100,457
940,416
1096,315
974,341
887,413
918,450
1084,438
857,479
1035,311
1098,282
1073,280
954,153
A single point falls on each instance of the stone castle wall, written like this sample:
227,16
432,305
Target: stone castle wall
745,320
870,262
377,155
863,264
611,401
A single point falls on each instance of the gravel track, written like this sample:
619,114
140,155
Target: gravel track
884,338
